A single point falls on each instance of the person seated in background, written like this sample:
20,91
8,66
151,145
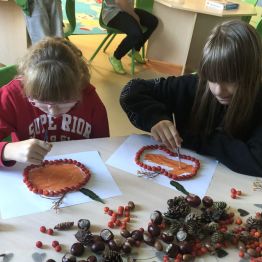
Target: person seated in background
121,15
218,111
50,100
43,18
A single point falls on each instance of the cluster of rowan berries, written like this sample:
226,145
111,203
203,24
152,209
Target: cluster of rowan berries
235,193
55,244
121,217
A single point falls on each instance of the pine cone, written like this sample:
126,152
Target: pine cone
216,237
192,228
192,224
64,226
178,208
213,227
111,256
220,205
174,227
212,214
252,222
84,237
192,217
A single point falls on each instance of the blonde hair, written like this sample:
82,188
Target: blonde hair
54,70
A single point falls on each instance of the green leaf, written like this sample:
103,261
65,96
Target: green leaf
221,253
91,194
179,187
243,212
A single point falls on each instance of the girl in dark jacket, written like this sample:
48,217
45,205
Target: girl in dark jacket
218,112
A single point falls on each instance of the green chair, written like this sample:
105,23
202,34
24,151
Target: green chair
7,73
112,32
259,28
69,27
251,2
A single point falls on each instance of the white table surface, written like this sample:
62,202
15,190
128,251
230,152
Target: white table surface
18,235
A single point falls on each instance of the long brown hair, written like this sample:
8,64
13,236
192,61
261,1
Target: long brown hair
232,54
53,70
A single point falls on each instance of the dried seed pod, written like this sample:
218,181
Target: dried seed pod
64,226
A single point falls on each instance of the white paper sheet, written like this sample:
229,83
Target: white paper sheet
17,200
123,158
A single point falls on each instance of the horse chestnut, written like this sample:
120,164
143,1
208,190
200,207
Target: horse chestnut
207,201
193,200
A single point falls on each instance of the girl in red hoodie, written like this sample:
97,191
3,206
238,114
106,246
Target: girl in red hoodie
51,100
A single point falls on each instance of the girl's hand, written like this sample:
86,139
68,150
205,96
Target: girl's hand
31,151
165,132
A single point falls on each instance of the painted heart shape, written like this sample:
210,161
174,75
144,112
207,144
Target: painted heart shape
57,177
152,158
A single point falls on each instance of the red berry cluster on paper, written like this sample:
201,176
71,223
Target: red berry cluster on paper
161,170
36,190
121,217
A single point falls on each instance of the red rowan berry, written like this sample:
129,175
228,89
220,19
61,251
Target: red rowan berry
38,244
234,196
55,243
239,221
233,191
106,209
110,224
50,231
43,229
58,248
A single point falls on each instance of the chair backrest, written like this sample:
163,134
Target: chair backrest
252,2
7,73
110,30
259,28
71,16
145,5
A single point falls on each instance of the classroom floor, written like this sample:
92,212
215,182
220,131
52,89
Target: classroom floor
109,84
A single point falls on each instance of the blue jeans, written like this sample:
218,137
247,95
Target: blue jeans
45,20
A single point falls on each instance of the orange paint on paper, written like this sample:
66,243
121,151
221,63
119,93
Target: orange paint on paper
163,160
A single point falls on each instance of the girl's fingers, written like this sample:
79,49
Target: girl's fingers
169,139
165,132
164,139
